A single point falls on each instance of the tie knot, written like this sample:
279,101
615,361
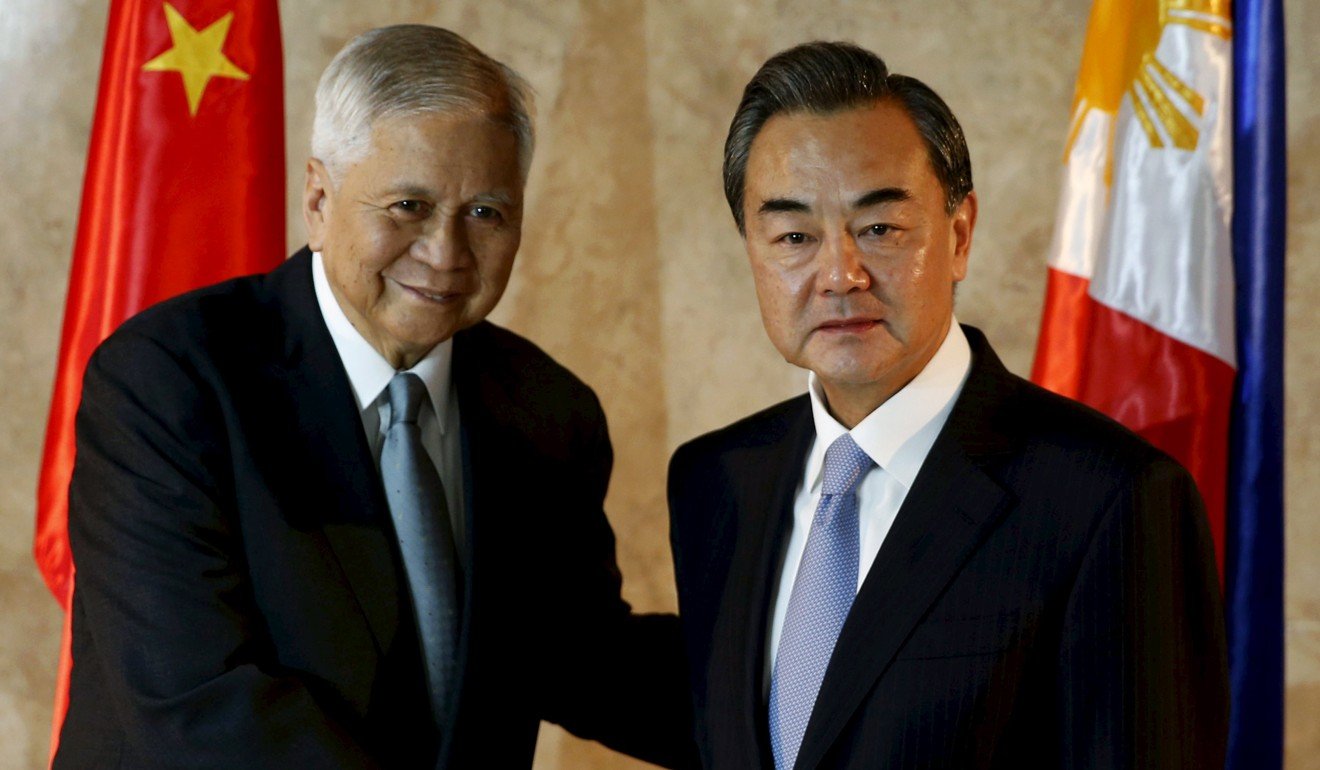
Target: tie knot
406,392
845,463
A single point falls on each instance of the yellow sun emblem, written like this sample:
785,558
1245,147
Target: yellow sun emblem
1119,58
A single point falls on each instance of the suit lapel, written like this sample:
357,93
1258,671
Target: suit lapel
320,454
951,508
764,510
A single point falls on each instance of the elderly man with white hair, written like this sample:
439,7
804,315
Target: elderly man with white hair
330,517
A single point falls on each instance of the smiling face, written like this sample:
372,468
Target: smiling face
853,254
418,237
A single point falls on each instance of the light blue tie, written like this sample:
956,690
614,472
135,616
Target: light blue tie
417,505
822,595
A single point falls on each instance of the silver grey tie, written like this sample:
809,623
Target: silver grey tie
416,499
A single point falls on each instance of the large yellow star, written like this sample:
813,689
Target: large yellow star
196,55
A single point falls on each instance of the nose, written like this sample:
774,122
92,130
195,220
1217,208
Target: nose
841,269
443,245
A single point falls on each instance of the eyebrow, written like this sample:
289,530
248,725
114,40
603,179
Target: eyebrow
872,198
883,195
775,205
408,191
494,196
421,191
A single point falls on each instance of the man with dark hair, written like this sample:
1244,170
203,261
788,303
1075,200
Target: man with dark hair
331,518
925,561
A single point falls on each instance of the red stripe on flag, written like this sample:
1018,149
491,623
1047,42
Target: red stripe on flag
1061,346
1175,396
62,677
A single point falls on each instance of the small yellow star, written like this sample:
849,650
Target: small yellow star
196,55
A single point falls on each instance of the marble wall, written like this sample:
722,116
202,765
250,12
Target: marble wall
631,272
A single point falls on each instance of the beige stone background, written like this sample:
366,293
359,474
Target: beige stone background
631,272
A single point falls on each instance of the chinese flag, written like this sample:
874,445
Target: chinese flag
184,188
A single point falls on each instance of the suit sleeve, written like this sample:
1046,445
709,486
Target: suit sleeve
615,676
161,581
1144,675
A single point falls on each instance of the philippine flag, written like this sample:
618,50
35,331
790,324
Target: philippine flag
1139,310
1164,306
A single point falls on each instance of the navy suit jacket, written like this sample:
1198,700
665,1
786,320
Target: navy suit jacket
1047,596
240,601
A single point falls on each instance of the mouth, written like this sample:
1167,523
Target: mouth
431,294
851,325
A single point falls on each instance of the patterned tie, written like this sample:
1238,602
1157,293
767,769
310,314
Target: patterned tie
416,499
822,594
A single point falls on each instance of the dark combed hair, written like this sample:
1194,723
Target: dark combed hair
823,77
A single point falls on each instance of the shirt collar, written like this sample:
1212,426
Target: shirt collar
368,371
892,435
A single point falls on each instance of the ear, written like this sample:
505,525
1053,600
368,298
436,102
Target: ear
963,222
317,191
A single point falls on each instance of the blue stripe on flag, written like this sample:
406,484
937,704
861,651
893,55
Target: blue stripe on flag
1254,548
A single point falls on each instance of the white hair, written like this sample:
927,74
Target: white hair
408,70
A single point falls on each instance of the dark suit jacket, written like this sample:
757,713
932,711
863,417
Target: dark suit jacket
1047,596
240,601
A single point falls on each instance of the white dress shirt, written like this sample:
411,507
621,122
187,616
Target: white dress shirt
369,374
897,436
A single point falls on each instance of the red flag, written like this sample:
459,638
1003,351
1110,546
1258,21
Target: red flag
184,187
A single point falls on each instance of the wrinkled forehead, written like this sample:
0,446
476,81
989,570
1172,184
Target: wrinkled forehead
442,149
